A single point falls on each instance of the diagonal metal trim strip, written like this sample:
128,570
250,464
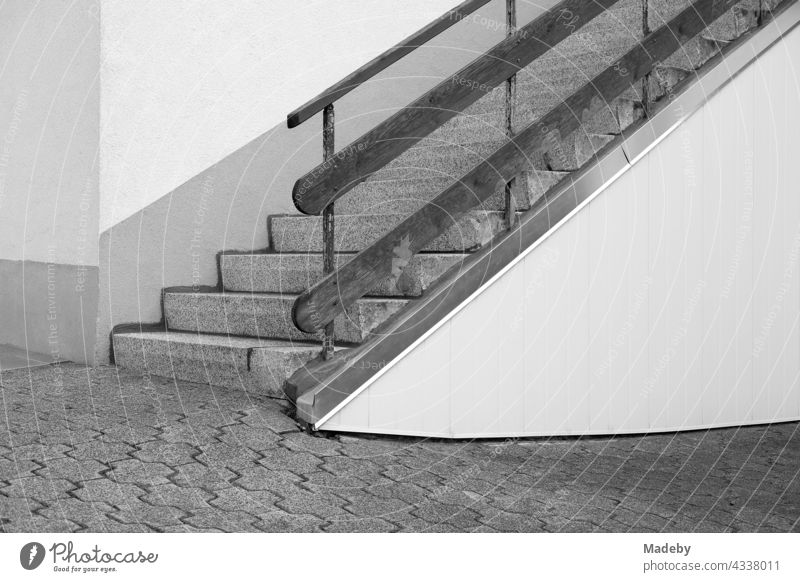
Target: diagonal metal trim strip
337,386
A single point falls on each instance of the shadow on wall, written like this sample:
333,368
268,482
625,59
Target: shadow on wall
175,240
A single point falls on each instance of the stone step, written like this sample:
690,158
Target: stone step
353,233
294,273
694,53
409,195
439,158
570,153
739,20
664,79
267,315
256,365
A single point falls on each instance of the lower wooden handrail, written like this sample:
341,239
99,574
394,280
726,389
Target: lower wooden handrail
334,293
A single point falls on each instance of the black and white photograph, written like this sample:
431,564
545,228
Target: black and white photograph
293,273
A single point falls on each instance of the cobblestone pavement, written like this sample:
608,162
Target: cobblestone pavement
104,450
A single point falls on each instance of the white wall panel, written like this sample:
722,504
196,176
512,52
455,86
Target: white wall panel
671,301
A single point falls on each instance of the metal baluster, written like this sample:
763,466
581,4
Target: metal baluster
328,257
646,79
511,92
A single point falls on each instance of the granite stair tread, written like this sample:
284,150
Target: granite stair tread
257,365
267,315
296,272
405,196
353,233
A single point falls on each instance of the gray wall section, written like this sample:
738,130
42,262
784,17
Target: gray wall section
49,308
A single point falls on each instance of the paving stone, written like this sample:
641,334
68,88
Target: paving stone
455,519
235,499
273,419
262,479
213,518
80,512
280,458
326,481
304,443
199,475
41,525
155,517
223,455
38,488
118,494
280,521
241,435
18,508
18,468
101,451
370,525
171,495
297,500
168,453
138,472
363,504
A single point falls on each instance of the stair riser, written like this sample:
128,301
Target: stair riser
259,371
449,161
296,273
569,154
401,197
267,316
300,234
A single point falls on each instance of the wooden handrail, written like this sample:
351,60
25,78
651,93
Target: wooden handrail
356,162
381,62
328,298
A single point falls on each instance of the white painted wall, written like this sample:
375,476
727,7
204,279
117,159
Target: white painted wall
49,127
671,301
187,82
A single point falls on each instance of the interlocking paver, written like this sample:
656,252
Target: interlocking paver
138,472
113,453
38,488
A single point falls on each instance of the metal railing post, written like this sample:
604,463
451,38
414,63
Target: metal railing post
328,257
646,79
511,92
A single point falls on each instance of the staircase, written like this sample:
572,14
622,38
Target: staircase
242,332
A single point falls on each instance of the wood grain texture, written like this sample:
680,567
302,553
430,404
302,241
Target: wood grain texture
323,302
356,162
381,62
